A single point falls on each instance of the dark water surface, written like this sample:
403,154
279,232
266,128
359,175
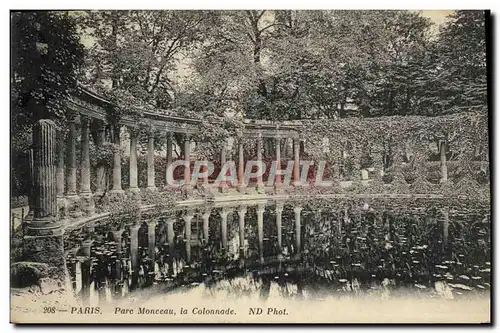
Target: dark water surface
370,253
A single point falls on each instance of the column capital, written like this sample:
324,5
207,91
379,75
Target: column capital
133,131
84,120
297,209
152,223
261,208
117,233
206,213
279,207
170,220
224,212
242,210
187,218
135,227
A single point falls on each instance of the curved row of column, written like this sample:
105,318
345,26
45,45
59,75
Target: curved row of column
67,168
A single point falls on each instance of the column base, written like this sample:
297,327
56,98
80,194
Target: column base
187,189
297,183
73,205
116,194
88,203
241,188
62,208
151,189
135,193
43,243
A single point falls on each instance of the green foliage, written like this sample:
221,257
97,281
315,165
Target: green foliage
46,58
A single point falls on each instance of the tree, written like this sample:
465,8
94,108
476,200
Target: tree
135,53
460,64
46,56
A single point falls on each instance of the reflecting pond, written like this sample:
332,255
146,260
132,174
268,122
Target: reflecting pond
363,253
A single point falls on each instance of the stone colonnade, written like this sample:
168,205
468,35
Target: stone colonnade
74,189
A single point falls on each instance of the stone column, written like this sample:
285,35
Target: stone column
241,165
206,218
444,167
85,157
43,236
151,162
187,170
169,154
297,211
71,158
296,162
85,191
60,164
117,163
223,214
279,213
187,224
134,253
223,159
100,173
133,161
241,212
260,183
152,243
277,179
260,230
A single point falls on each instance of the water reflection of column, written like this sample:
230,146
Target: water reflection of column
152,244
279,212
187,224
72,271
297,211
85,268
117,235
260,230
223,227
241,212
134,253
206,217
171,245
